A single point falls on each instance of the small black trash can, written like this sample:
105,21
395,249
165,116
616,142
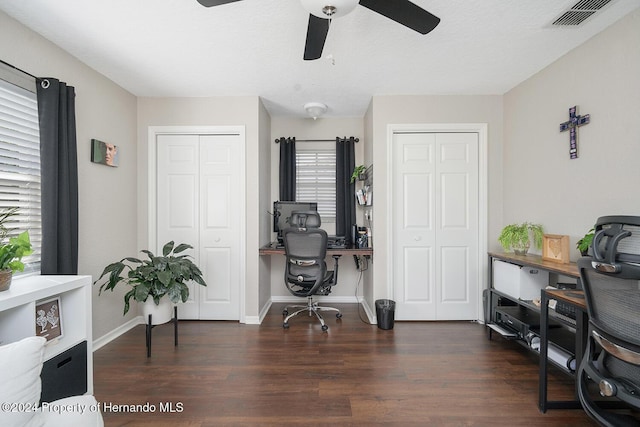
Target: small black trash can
385,312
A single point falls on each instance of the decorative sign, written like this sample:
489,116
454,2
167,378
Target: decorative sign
573,122
555,247
49,319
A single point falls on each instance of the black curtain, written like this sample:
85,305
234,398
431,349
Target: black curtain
59,176
287,169
345,190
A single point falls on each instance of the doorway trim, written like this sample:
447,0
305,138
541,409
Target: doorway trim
482,130
152,215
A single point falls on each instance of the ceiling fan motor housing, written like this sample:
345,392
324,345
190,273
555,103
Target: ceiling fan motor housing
329,9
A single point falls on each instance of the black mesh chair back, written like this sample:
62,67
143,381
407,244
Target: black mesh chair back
611,282
306,269
616,241
306,273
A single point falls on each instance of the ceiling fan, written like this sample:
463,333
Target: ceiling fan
323,11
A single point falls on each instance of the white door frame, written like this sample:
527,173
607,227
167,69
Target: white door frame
482,130
153,132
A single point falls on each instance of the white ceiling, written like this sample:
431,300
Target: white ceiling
176,48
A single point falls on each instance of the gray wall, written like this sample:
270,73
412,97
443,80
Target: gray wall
322,128
215,111
385,110
107,196
601,77
530,175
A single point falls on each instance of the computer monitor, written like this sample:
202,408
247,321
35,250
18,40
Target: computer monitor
282,214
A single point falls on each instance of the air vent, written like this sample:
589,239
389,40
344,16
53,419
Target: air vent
580,12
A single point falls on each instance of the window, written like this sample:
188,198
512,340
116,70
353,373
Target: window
316,177
20,162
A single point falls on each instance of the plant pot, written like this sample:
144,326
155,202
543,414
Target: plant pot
5,279
521,249
161,313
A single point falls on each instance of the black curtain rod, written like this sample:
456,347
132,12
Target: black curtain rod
277,140
17,69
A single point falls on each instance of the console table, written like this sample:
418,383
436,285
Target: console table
537,319
575,299
68,358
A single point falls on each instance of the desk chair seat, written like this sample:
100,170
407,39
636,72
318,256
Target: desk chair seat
306,272
610,366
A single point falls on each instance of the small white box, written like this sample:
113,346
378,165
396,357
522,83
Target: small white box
518,281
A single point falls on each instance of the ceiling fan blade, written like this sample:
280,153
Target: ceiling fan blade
404,12
209,3
316,35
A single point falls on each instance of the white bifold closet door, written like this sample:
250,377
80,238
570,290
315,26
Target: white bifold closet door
435,229
198,202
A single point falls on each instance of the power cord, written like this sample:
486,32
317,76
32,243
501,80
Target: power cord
362,264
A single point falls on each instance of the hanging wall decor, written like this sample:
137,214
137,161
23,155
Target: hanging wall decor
572,124
104,153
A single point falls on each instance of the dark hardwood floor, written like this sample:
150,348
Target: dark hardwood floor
417,374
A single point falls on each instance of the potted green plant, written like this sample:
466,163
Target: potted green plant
584,244
517,237
358,171
157,281
11,250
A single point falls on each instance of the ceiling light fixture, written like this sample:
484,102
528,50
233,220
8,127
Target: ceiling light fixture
329,9
315,109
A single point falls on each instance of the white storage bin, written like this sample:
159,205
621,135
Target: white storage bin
524,283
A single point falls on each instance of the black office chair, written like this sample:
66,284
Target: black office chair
611,282
305,273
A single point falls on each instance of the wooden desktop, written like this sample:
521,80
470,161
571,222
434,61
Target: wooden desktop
273,249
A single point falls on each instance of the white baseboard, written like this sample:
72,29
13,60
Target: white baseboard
110,336
249,320
321,299
328,300
264,311
370,313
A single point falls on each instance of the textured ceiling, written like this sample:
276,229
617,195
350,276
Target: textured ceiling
171,48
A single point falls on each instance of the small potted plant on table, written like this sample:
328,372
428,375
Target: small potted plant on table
584,244
11,250
518,237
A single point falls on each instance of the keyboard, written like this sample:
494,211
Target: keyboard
331,244
336,242
565,309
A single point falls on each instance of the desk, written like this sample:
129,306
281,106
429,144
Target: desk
272,249
576,299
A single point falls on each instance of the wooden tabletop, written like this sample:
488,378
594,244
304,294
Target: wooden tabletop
272,249
572,296
569,269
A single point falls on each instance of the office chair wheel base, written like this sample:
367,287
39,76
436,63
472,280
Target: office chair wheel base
285,312
338,315
325,328
285,325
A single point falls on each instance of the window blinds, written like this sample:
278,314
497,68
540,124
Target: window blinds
316,179
20,164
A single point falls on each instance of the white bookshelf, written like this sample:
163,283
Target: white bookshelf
18,313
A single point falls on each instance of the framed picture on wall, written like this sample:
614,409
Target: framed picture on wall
49,318
104,153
